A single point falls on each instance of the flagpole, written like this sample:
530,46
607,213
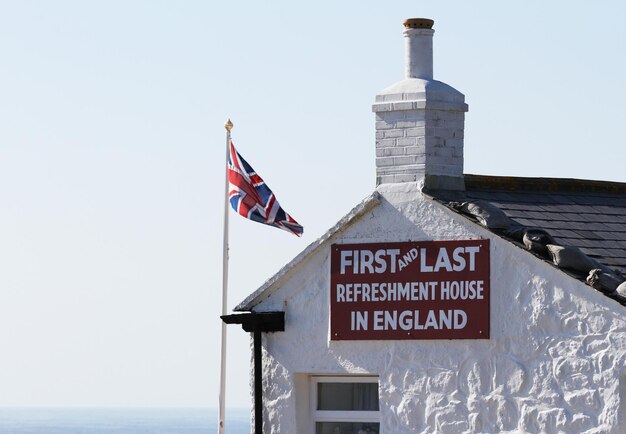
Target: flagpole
220,428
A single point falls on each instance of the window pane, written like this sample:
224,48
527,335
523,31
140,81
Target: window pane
347,396
347,428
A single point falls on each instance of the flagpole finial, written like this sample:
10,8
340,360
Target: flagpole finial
228,125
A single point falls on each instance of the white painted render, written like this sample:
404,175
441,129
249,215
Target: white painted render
418,49
556,360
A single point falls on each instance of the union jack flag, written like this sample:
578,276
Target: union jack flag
250,196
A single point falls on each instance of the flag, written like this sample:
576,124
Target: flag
250,196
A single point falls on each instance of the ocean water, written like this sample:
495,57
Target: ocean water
120,421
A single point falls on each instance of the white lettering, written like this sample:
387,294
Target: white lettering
393,253
361,321
366,292
381,266
459,260
367,258
472,250
345,261
349,292
378,320
406,322
410,320
445,319
375,291
401,264
391,320
341,293
431,320
460,319
403,291
423,267
461,290
443,260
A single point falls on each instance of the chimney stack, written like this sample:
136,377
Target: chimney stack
420,121
418,48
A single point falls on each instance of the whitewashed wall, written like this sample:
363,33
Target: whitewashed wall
554,363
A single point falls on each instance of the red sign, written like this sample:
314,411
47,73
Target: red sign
411,290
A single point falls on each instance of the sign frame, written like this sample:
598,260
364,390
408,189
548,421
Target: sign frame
410,290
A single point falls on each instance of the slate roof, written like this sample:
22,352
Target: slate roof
590,215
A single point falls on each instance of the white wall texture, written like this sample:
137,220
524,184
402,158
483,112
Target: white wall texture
556,360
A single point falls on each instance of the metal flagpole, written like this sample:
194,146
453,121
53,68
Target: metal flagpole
220,429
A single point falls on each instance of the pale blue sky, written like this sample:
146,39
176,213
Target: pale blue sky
112,147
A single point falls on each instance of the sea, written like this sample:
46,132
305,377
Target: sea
121,421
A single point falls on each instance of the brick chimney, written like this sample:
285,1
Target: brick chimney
420,121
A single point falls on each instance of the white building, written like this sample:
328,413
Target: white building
434,307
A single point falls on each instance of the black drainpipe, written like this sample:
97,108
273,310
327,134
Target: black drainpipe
257,323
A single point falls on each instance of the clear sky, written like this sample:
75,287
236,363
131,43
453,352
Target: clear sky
112,160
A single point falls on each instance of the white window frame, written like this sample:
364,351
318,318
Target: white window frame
339,415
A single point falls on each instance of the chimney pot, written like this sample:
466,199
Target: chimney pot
418,23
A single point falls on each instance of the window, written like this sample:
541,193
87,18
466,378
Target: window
344,405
